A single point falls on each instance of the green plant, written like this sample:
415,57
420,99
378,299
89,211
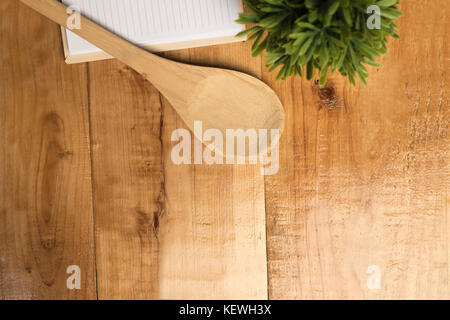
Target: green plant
319,34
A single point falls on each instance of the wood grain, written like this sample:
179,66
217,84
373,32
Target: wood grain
365,174
128,180
165,231
212,236
46,220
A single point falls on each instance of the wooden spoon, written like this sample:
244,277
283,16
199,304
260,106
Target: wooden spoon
222,99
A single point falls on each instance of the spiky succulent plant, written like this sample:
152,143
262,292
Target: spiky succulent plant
303,35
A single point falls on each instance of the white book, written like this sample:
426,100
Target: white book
157,25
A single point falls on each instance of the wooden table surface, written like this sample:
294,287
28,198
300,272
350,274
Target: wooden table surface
87,180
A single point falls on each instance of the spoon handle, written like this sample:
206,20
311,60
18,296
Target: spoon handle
128,53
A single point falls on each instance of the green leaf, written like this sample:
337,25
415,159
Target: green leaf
387,3
331,11
246,18
273,20
258,49
307,25
392,14
309,71
323,76
306,46
245,32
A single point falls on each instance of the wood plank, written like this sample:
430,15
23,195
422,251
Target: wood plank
165,231
212,235
46,221
364,176
128,180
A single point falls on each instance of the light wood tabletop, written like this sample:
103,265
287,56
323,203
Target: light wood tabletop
358,209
